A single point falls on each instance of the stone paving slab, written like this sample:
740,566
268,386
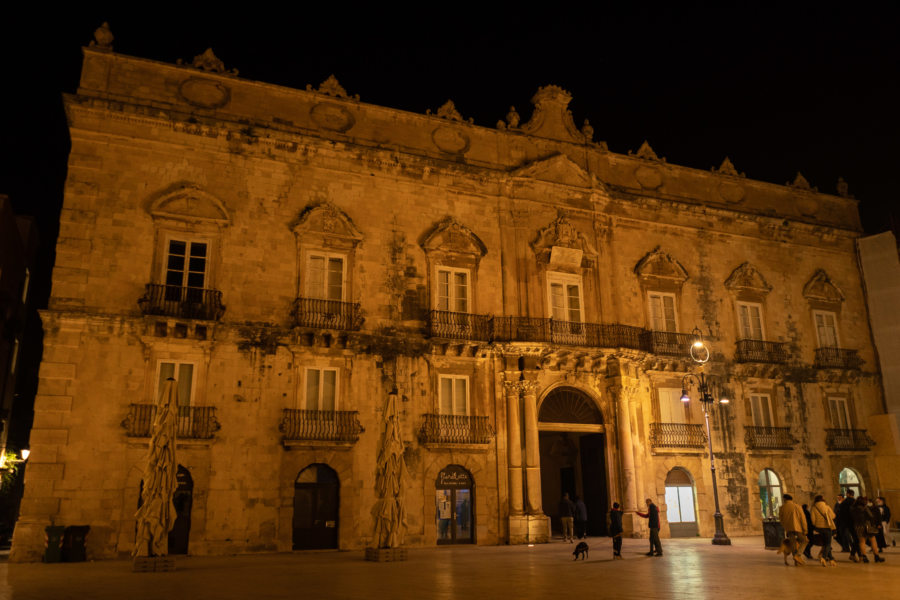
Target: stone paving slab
691,569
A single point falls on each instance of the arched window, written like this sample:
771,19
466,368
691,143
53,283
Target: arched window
769,493
850,480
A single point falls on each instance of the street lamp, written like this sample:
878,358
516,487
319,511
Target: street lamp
700,355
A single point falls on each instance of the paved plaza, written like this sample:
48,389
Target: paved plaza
690,569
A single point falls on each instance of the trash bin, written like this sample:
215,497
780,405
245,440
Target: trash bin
773,534
53,538
73,549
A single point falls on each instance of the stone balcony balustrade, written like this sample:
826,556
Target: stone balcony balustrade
677,435
182,302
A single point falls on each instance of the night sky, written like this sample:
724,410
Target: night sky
778,90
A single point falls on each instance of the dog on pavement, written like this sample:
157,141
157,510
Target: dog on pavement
788,547
582,549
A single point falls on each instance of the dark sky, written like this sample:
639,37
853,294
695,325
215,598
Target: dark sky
778,90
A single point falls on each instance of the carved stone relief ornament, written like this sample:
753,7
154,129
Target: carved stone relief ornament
658,269
800,183
188,202
451,237
449,139
331,87
648,175
448,111
560,243
209,62
820,289
747,279
551,117
324,220
727,168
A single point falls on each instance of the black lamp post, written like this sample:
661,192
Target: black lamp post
700,354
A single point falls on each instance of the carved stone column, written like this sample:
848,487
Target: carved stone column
514,446
532,450
626,450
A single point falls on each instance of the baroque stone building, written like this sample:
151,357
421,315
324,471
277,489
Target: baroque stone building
292,257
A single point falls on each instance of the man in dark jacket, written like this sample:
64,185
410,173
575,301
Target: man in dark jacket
846,535
652,515
580,518
615,530
837,524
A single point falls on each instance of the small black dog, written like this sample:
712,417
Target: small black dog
582,549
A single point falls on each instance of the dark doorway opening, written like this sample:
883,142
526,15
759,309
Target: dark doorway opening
183,499
316,503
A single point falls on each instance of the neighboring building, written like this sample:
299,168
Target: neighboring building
18,245
292,257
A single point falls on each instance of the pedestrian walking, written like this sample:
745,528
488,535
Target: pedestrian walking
794,522
865,524
567,517
581,517
652,516
838,531
846,531
884,514
823,521
615,530
809,528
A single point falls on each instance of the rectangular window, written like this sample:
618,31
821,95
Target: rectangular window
325,277
321,389
183,373
454,395
840,412
453,290
565,297
186,264
761,410
662,312
826,329
671,408
751,321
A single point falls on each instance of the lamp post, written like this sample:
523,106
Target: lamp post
700,355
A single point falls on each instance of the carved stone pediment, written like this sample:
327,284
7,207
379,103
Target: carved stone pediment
327,224
747,279
658,269
559,169
562,242
551,117
451,237
188,202
820,289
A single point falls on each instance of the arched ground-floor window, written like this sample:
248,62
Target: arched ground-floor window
680,504
849,479
769,493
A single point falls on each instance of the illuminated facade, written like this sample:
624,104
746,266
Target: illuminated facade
293,256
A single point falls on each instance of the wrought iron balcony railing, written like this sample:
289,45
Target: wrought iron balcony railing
327,314
182,302
320,425
455,429
837,358
759,351
848,439
459,326
194,422
568,333
668,343
768,438
677,435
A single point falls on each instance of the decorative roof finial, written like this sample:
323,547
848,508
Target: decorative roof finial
727,168
588,131
646,152
208,61
799,182
331,87
448,111
103,37
843,189
513,118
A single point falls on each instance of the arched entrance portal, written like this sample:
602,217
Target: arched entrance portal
455,506
573,457
681,510
316,501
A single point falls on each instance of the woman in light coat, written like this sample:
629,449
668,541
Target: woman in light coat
823,521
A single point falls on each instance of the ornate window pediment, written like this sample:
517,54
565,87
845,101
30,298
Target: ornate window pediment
559,169
747,281
560,244
451,239
820,290
187,202
324,225
658,270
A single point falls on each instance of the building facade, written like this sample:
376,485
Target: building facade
292,257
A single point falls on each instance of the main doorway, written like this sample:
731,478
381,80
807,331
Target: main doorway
573,456
681,510
454,498
316,503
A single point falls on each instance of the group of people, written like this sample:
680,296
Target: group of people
573,516
857,523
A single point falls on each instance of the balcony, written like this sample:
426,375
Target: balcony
668,343
182,302
837,358
567,333
677,435
769,438
337,426
758,351
455,429
848,440
459,326
194,422
326,314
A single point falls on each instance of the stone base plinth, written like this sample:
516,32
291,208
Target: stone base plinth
147,564
385,554
529,529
